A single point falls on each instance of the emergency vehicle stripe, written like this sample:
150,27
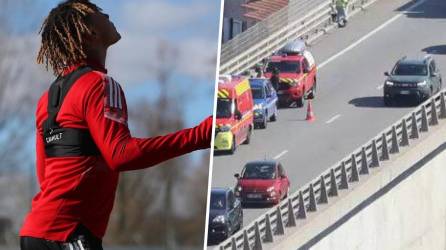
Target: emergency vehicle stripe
292,81
223,93
286,80
242,87
235,126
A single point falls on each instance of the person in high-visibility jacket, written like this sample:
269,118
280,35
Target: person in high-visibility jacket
341,9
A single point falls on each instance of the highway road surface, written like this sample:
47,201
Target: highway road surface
349,107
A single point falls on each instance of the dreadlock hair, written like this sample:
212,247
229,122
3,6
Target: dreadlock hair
63,33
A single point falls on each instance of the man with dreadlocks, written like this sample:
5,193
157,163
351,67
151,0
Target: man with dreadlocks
83,141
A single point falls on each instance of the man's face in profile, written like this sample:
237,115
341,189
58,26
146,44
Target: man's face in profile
105,33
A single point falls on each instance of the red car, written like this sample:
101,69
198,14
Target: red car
262,182
296,70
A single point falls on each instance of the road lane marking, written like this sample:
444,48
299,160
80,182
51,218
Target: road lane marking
280,155
333,119
371,33
380,87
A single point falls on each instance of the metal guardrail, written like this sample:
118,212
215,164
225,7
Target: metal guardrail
15,247
338,177
300,19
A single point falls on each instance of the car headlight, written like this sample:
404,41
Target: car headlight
423,83
389,83
270,189
219,219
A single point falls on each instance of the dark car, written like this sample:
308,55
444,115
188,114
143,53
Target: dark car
225,214
418,78
263,182
265,101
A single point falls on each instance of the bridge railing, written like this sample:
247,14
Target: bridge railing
340,176
304,19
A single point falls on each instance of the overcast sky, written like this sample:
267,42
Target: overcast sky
189,26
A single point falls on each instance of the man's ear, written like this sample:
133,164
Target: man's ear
90,38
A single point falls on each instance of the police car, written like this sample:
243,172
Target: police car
265,101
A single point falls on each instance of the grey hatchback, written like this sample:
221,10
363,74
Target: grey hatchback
417,77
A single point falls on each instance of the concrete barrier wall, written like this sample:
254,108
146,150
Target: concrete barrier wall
410,215
400,205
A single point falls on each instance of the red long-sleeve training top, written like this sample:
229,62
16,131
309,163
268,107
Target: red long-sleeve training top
82,189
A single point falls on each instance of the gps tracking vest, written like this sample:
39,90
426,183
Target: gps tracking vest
63,142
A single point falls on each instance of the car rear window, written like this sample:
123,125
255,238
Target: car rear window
257,93
259,171
284,66
410,70
218,201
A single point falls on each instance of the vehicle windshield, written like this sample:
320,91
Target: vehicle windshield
256,171
257,93
284,67
223,108
410,70
218,201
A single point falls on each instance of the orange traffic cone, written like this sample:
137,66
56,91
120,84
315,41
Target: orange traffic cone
310,114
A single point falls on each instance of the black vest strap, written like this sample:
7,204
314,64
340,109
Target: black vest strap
62,142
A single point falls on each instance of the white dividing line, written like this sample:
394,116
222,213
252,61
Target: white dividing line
380,87
333,119
211,160
280,155
371,33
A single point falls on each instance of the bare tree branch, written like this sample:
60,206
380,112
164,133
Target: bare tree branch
147,206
